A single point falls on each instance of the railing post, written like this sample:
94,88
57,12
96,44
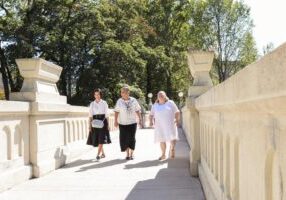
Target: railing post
47,110
200,64
40,78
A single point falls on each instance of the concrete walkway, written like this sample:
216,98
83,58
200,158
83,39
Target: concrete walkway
114,178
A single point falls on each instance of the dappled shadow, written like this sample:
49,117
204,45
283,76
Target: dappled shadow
148,163
102,164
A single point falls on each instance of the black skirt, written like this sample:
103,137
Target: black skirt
99,135
127,136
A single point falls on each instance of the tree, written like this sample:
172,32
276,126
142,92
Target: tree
170,20
9,22
248,50
106,43
228,24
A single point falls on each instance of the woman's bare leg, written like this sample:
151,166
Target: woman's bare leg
163,150
100,146
172,149
131,153
127,153
102,153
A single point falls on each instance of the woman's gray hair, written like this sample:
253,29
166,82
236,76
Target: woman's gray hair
125,88
163,94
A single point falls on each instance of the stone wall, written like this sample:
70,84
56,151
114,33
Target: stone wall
39,131
241,128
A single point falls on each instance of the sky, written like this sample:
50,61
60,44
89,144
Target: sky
269,17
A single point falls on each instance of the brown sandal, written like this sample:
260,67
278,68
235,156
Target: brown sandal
162,158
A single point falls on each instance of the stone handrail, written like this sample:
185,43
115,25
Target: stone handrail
39,131
34,142
240,128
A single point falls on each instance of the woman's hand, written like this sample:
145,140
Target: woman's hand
177,122
116,124
140,123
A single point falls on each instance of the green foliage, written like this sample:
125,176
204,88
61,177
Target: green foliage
225,27
104,43
248,51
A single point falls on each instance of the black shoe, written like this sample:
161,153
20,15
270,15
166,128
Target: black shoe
131,158
127,158
97,157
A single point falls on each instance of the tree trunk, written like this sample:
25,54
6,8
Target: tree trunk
3,62
148,81
169,84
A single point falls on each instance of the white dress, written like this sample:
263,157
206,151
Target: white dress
164,115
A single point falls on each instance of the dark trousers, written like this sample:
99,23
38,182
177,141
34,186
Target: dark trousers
127,136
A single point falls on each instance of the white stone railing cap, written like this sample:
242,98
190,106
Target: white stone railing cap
200,61
37,68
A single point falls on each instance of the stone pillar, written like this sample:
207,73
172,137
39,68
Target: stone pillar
47,113
200,63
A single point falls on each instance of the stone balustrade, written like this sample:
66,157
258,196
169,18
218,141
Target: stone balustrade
39,131
15,164
240,125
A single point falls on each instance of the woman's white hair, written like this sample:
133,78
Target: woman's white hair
163,94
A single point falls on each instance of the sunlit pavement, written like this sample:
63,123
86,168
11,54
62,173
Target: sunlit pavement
114,178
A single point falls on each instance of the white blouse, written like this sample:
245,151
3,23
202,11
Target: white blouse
98,108
127,110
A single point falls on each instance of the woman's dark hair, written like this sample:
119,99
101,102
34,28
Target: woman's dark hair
98,90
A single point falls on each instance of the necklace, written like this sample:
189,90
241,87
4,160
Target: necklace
127,104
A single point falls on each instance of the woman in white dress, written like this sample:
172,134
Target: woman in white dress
165,117
126,109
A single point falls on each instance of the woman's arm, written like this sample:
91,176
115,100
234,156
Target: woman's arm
151,118
116,119
90,120
139,117
177,117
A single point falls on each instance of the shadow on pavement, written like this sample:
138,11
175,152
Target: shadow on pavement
173,182
78,163
102,164
148,163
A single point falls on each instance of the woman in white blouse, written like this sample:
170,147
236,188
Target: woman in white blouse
98,109
126,110
165,117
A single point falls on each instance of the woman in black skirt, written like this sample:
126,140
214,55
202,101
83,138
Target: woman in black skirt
98,109
126,110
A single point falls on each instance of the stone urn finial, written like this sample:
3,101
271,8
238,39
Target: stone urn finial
40,78
200,63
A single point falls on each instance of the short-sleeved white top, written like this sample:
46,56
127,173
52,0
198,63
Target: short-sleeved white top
98,108
164,115
127,110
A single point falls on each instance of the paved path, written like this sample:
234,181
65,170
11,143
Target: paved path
114,178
